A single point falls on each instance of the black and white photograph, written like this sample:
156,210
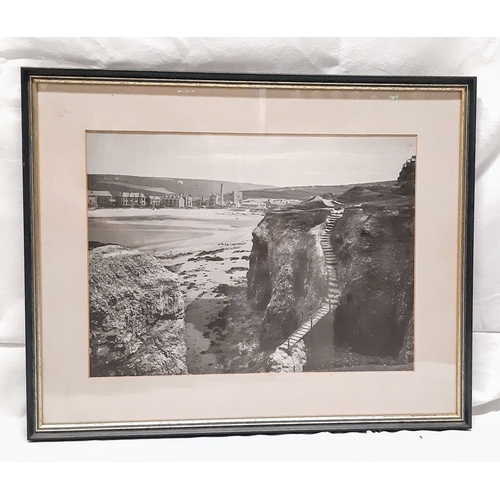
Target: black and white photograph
237,254
248,253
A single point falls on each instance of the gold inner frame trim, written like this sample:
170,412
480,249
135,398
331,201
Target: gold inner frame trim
248,84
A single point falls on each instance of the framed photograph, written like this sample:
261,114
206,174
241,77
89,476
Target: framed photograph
216,254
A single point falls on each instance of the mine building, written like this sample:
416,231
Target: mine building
214,200
217,199
237,198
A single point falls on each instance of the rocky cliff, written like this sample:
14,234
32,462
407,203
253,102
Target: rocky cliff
287,275
373,243
136,315
374,246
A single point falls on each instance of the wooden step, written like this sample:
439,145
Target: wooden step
333,288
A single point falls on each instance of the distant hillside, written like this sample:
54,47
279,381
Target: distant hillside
204,187
305,192
165,185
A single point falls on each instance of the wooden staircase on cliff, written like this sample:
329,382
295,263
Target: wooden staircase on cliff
331,301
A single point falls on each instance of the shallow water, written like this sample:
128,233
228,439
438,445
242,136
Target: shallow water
172,233
137,234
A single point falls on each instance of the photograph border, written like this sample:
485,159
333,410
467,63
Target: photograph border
36,432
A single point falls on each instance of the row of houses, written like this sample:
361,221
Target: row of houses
104,199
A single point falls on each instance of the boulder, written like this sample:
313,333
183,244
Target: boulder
284,361
136,315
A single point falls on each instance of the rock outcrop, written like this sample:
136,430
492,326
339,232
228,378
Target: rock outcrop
374,247
406,179
283,360
136,315
287,275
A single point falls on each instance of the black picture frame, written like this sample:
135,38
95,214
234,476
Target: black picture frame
34,79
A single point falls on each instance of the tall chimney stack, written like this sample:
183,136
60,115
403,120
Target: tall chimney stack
222,194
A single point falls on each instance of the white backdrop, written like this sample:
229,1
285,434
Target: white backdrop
423,56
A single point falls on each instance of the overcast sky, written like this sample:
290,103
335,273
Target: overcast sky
260,159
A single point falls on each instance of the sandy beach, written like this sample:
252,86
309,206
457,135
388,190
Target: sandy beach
209,250
171,230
